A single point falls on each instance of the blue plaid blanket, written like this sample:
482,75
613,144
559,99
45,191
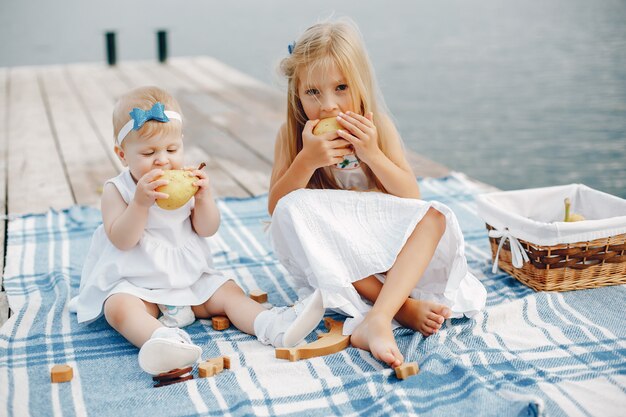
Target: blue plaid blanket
557,354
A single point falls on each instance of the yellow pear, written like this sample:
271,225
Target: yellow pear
329,124
571,217
180,188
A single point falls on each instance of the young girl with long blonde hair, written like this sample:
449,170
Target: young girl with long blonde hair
346,215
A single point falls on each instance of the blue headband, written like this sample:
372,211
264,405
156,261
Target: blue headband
139,117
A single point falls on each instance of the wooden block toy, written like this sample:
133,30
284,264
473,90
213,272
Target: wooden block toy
220,322
211,367
406,370
328,343
258,296
61,373
226,362
172,377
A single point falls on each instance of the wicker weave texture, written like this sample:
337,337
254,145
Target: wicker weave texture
567,267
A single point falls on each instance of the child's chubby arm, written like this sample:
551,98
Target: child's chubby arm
205,216
124,223
317,151
391,169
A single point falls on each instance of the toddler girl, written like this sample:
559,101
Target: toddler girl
143,259
376,256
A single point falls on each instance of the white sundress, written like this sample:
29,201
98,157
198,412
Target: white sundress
328,239
170,265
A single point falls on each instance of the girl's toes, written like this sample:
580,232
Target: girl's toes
443,311
437,318
432,325
388,357
399,358
426,331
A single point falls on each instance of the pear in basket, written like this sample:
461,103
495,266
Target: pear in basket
571,217
180,188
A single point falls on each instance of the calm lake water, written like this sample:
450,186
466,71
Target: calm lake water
514,93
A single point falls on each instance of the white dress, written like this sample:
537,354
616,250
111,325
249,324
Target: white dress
328,239
170,265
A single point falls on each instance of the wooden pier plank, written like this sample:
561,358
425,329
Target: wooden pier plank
86,160
254,124
97,104
36,178
112,79
271,101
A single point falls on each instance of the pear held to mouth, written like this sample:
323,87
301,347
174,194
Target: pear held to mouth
180,188
329,124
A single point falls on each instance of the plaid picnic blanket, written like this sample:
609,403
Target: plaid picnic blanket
557,354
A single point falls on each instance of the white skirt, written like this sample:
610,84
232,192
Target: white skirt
328,239
153,271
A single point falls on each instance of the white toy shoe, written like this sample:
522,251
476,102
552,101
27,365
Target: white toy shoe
168,348
288,326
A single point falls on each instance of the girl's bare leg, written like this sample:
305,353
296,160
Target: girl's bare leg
231,301
422,316
374,333
132,317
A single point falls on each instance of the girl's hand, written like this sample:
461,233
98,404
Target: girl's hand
361,132
323,150
146,194
203,184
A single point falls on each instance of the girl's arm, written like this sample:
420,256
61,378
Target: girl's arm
124,223
317,152
205,216
392,170
286,178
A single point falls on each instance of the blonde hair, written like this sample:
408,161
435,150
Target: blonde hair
144,98
320,46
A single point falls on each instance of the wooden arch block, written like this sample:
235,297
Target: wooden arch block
328,343
211,367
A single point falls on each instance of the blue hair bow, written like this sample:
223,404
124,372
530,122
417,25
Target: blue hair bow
291,47
157,112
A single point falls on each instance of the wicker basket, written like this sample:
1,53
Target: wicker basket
566,267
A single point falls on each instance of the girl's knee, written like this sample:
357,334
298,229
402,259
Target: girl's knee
114,309
437,219
118,306
216,304
231,288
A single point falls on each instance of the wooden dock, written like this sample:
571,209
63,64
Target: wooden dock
56,140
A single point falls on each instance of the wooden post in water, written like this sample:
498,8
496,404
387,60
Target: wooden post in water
162,45
110,44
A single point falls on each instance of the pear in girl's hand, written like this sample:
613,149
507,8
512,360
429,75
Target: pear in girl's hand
180,188
329,124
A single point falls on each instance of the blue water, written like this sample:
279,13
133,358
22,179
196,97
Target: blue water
514,93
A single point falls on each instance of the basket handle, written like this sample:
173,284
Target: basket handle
518,254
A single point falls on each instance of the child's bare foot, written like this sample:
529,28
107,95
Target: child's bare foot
422,316
375,334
